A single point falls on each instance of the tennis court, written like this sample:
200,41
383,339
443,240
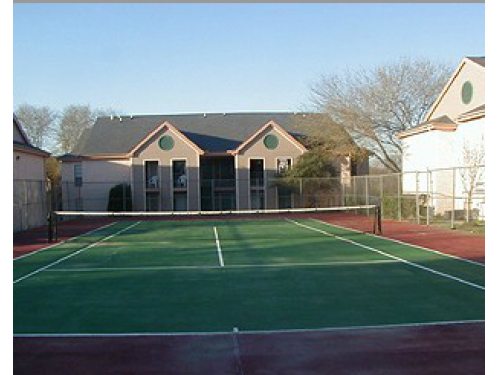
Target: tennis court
156,277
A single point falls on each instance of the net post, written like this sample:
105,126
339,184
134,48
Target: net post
377,224
51,231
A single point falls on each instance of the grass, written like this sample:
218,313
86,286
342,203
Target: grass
166,277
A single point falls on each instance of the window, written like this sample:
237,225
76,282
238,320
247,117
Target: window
283,165
256,173
151,175
78,175
179,171
467,91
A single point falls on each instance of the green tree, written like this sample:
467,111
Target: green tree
315,177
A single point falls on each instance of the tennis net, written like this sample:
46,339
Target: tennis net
365,218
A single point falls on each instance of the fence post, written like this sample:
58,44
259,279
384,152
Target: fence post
381,196
400,214
417,208
343,193
367,194
301,193
453,200
428,212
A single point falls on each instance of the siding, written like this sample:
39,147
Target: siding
29,186
257,150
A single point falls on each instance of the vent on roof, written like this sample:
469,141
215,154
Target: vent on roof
120,118
111,117
204,115
131,117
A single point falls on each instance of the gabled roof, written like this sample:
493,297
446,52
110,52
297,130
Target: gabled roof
213,132
26,145
443,123
270,124
173,129
18,126
479,62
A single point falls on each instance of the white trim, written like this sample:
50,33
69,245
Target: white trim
198,189
73,254
168,128
131,181
404,243
144,182
289,139
251,332
64,241
237,180
416,265
186,166
219,249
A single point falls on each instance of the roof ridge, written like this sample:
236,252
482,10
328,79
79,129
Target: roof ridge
214,113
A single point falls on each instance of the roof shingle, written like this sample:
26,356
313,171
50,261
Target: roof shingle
214,132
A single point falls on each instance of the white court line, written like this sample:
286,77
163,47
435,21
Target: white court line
403,243
251,332
219,250
62,242
173,268
73,254
391,256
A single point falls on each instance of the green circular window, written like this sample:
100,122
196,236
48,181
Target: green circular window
166,143
467,91
271,141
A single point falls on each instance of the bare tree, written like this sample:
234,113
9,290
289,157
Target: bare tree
38,122
472,173
75,119
374,105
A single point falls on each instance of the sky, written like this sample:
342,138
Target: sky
202,58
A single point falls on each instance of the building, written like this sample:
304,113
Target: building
30,204
451,136
189,162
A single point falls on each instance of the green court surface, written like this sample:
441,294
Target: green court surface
160,277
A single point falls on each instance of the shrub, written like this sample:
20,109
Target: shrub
120,198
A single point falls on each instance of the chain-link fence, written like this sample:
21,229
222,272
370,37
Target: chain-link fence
31,204
448,197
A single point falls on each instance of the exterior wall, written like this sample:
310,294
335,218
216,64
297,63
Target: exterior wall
451,104
98,177
257,150
28,166
29,186
152,151
439,150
